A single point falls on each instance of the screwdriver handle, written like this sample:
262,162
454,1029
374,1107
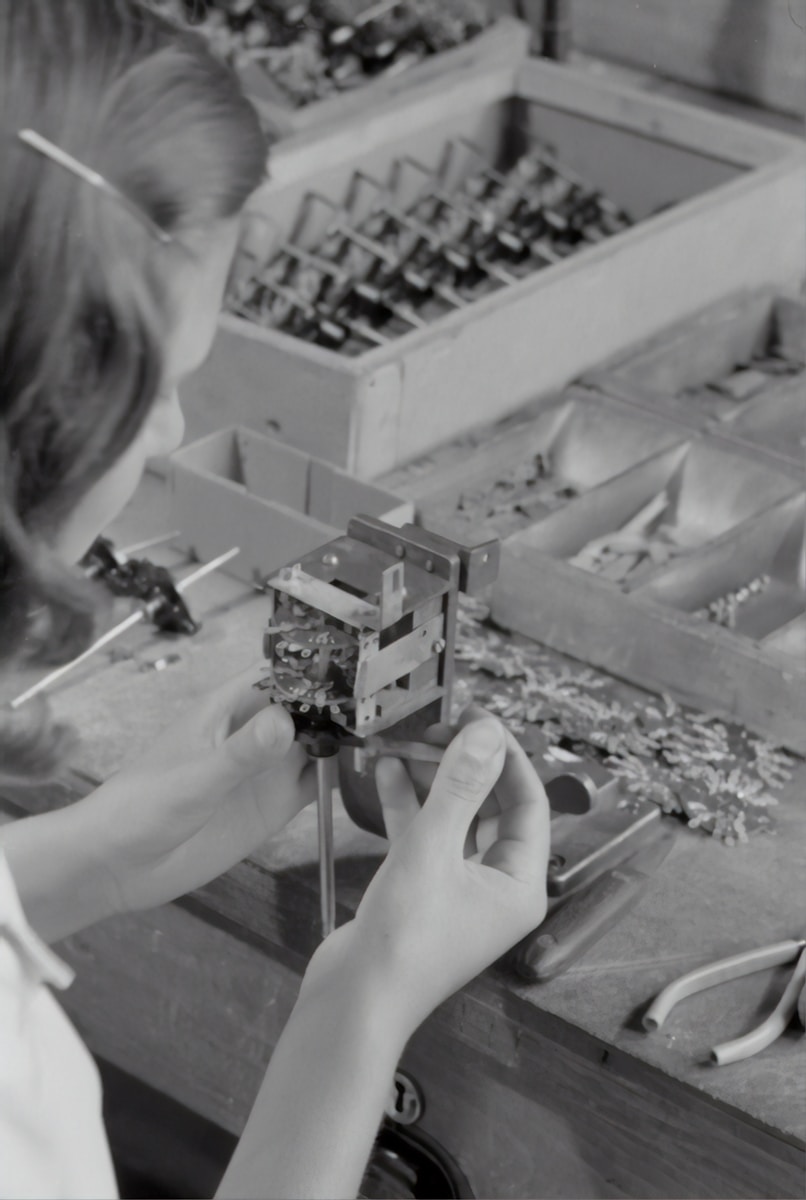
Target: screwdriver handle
577,924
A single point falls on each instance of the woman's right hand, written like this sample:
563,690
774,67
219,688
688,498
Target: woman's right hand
453,894
451,897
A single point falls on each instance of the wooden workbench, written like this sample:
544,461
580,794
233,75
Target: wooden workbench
548,1090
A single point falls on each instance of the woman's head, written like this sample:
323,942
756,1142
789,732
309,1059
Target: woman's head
100,319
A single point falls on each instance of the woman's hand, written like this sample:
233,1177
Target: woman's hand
444,904
454,892
214,786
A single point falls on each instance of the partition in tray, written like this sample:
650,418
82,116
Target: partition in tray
686,574
496,482
737,369
241,488
663,511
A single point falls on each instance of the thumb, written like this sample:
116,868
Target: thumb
467,774
268,736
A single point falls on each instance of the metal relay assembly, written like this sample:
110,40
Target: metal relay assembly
361,632
360,641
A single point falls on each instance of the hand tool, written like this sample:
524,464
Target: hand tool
325,783
143,580
727,969
578,922
111,634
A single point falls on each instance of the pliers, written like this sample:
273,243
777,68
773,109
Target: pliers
793,997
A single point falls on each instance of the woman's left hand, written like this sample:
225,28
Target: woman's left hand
213,786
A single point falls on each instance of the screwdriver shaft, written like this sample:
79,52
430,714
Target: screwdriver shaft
324,808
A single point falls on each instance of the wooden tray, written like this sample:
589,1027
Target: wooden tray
496,482
742,518
705,373
241,488
504,43
732,195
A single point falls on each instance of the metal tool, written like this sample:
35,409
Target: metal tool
143,580
325,783
735,967
595,824
115,632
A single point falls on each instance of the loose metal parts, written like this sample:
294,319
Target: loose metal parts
311,49
395,255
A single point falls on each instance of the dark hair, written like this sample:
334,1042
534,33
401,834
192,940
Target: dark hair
83,305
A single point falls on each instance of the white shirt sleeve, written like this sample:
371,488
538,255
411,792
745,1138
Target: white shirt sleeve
52,1139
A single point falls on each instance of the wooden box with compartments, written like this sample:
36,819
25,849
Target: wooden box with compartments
503,43
242,488
665,554
738,369
713,205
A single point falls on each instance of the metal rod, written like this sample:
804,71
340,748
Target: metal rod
327,875
206,568
117,630
127,551
109,636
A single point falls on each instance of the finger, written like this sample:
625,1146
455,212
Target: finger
439,734
467,773
474,712
249,750
396,793
489,806
241,698
522,845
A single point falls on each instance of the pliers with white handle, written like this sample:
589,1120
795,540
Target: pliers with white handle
794,996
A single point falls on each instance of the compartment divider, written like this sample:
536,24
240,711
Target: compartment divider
730,561
607,507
